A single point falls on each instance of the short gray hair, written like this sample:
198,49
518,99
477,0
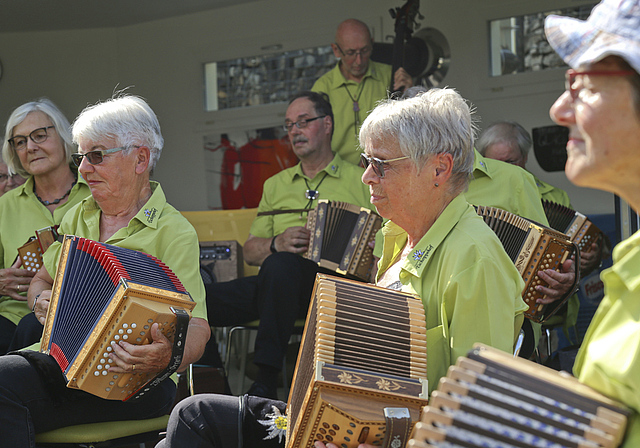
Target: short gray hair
57,118
426,123
127,119
508,132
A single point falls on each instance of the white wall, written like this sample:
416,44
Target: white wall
163,61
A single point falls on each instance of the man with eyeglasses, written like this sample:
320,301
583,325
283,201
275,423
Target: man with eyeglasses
355,84
280,293
9,181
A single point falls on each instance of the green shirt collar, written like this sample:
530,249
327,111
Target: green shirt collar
480,166
339,80
626,257
332,169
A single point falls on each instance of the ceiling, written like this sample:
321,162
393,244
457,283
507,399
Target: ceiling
52,15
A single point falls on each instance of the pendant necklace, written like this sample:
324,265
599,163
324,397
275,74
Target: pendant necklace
56,201
356,104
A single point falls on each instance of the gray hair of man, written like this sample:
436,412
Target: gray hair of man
57,118
425,123
127,119
508,132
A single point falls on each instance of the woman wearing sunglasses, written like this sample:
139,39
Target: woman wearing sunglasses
37,146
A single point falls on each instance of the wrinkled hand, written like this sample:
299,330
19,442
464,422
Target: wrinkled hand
294,239
42,306
590,258
559,282
13,281
146,358
402,80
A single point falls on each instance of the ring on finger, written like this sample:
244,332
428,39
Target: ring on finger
133,369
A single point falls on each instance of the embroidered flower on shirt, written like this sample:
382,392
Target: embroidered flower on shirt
276,425
418,255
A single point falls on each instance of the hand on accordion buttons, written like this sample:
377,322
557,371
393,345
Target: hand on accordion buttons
151,357
559,283
294,239
42,306
14,281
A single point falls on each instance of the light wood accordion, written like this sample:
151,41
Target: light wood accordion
362,358
340,236
491,399
103,294
575,225
532,247
31,252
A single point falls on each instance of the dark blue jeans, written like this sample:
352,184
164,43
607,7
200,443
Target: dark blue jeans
30,404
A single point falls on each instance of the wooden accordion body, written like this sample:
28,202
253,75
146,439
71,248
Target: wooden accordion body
103,294
340,236
31,252
363,350
532,247
492,399
575,225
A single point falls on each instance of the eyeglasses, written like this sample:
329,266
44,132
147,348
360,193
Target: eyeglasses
352,54
571,75
5,177
300,123
377,164
19,142
94,157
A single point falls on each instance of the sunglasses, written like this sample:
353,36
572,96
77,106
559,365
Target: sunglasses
377,164
94,157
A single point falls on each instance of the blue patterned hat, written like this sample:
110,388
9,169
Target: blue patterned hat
612,29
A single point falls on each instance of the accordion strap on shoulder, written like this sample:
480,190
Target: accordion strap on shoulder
398,427
180,336
282,212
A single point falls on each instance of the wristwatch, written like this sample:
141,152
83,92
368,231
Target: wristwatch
273,245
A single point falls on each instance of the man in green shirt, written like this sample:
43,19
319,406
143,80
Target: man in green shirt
281,291
355,85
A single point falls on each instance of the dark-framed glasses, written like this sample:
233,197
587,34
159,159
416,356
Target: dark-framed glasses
571,75
377,164
5,177
19,142
352,54
94,157
300,123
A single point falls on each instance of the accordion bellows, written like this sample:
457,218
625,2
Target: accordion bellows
491,399
103,294
340,236
574,224
532,247
363,350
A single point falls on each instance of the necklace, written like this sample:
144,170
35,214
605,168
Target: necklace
356,104
310,194
57,201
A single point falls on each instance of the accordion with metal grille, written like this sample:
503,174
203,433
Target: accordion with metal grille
363,351
340,236
532,247
103,294
572,223
491,399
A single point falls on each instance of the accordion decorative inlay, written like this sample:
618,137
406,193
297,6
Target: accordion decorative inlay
340,236
103,294
491,399
363,352
532,247
574,224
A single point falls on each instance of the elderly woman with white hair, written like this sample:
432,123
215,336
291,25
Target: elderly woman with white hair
418,155
119,144
38,146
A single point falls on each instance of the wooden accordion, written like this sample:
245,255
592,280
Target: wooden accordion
340,236
103,294
491,399
532,247
574,224
363,355
31,252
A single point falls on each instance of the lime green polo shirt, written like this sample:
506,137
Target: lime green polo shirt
609,358
373,87
470,289
338,181
157,229
551,193
509,187
21,214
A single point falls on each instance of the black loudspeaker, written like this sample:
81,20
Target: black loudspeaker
221,261
550,146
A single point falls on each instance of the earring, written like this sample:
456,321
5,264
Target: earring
436,184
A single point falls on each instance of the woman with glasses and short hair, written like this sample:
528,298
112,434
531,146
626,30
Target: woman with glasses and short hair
37,146
8,181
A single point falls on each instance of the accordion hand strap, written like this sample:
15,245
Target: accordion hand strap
398,427
180,336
